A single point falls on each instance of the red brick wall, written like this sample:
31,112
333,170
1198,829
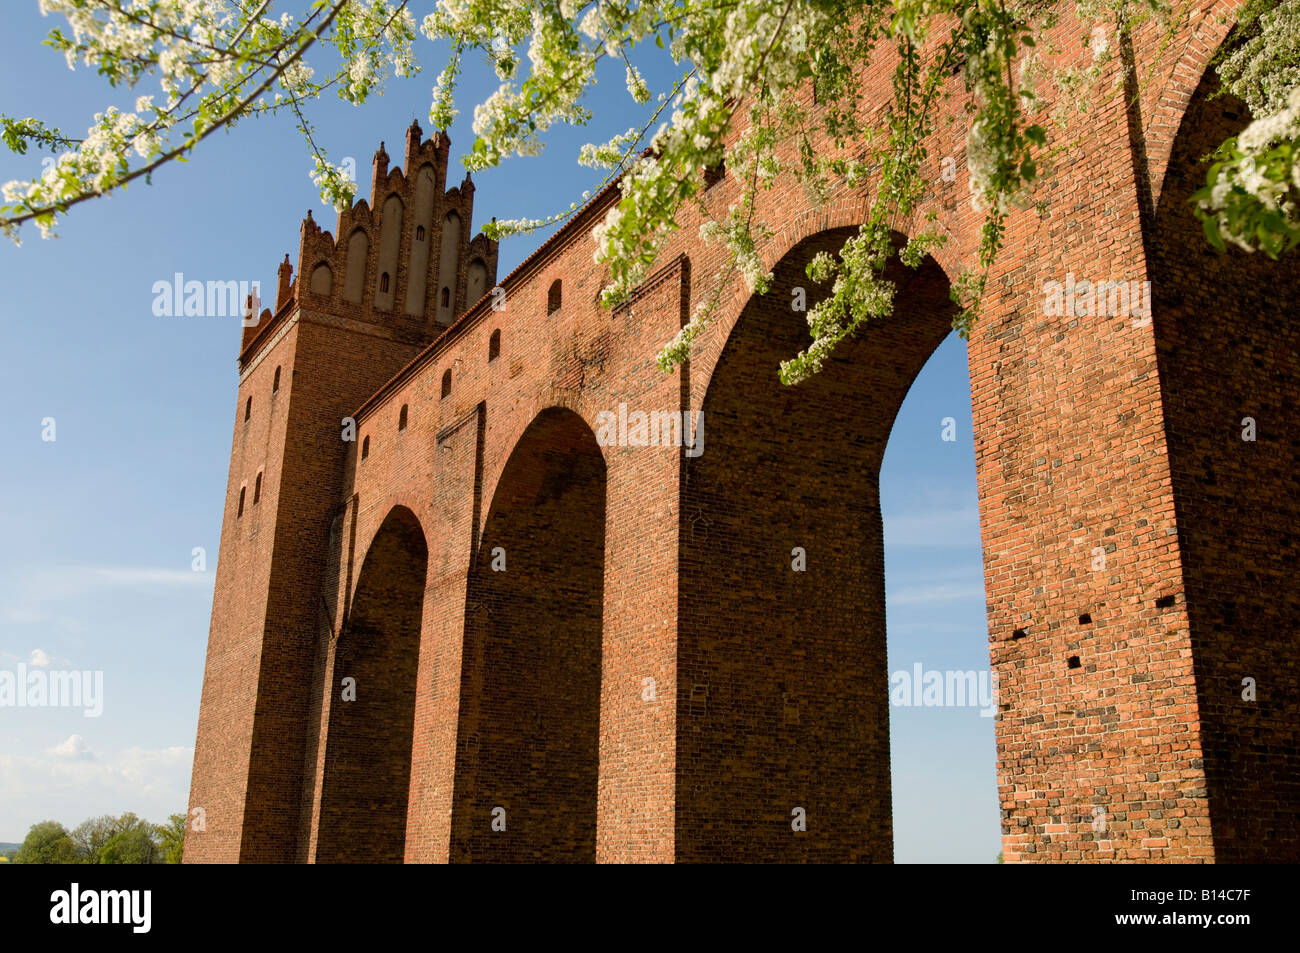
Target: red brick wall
1094,434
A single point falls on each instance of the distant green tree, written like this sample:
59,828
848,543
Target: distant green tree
124,839
134,845
999,857
47,843
171,839
90,836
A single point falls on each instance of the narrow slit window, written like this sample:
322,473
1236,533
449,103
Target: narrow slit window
240,511
248,408
553,297
275,383
446,383
494,345
257,488
419,233
365,448
401,418
383,282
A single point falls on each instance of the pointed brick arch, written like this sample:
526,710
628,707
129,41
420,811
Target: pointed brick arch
842,216
530,698
1176,94
368,756
782,688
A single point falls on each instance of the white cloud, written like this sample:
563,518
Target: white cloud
935,628
73,749
141,576
36,658
43,595
153,783
41,585
21,615
940,592
944,527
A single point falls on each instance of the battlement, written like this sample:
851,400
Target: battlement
403,258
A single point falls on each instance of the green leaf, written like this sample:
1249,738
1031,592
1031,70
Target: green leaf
1269,233
1210,223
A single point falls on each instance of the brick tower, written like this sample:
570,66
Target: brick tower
359,309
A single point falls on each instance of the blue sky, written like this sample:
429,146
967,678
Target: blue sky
101,523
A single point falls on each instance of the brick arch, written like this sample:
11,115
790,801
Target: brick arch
552,399
374,517
782,686
1188,72
528,734
849,209
1227,343
364,789
845,212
